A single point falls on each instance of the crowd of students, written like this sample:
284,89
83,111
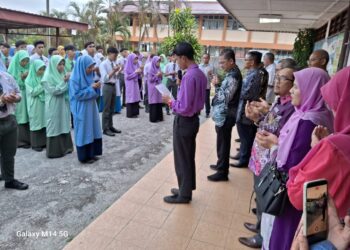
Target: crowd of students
297,119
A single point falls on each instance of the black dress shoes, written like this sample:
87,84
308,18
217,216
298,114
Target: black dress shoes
213,167
218,177
15,184
175,191
236,157
239,165
114,130
108,132
1,179
254,211
237,140
176,199
252,242
38,149
251,227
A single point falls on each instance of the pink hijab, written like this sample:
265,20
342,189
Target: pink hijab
336,93
312,108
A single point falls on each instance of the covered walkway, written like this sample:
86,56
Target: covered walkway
141,220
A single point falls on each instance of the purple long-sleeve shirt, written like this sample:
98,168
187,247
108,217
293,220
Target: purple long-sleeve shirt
191,96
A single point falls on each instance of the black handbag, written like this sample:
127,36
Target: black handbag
271,191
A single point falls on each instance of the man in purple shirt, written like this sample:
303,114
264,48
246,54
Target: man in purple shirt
190,101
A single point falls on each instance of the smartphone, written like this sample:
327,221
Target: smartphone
315,214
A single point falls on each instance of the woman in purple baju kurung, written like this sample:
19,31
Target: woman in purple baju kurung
132,90
294,143
154,96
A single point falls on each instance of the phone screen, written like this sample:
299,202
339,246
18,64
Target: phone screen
316,211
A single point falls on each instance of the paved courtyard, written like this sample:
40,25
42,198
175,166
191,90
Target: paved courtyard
65,196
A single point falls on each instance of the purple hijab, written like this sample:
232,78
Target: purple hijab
154,69
312,108
130,66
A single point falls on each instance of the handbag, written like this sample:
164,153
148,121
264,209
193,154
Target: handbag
271,190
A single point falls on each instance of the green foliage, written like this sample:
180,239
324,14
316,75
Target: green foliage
303,46
183,25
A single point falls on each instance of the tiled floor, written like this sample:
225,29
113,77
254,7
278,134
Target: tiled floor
141,220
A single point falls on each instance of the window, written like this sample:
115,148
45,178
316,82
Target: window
232,24
213,22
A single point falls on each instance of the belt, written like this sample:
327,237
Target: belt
110,83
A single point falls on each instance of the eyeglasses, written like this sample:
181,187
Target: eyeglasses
282,78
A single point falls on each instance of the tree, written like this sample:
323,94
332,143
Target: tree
183,25
303,45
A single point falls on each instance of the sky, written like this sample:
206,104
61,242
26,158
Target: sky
35,6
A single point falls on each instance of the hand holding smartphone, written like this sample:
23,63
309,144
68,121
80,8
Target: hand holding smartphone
315,206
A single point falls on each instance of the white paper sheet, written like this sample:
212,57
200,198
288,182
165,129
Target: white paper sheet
164,91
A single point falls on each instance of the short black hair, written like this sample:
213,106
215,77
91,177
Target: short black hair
206,53
123,49
36,43
270,56
20,42
184,49
228,54
69,47
112,50
323,53
99,47
51,50
256,56
288,63
151,55
136,52
87,44
6,45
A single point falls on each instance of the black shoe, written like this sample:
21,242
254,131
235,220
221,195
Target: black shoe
218,177
238,149
252,242
95,158
236,157
176,199
237,140
213,167
1,179
117,113
168,112
140,107
239,165
15,184
24,146
175,191
108,132
254,211
38,149
251,227
90,161
114,130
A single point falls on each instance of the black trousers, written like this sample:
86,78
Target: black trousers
145,98
140,87
8,146
185,130
247,136
109,93
223,144
172,86
207,102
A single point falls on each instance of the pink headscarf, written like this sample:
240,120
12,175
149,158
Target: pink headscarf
336,93
312,108
130,66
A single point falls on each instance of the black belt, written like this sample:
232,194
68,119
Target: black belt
110,83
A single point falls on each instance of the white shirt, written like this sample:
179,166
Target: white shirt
9,86
98,59
121,61
205,69
270,94
105,69
43,58
170,68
